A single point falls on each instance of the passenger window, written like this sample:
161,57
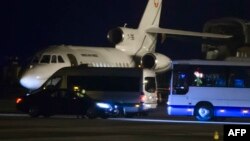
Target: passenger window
238,78
45,59
220,82
60,59
239,83
53,83
53,59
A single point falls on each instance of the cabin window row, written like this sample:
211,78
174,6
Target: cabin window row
238,77
109,65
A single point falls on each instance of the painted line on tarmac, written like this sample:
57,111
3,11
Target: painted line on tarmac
26,115
13,115
137,119
178,121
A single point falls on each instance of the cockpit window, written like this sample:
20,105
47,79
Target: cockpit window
53,59
45,59
60,59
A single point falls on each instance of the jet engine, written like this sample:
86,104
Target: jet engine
119,34
156,61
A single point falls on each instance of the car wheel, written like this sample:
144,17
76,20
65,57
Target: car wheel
129,115
34,111
204,112
143,113
104,116
91,113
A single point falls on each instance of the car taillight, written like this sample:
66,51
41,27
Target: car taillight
18,100
143,97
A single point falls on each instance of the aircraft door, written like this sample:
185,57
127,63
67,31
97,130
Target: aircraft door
72,60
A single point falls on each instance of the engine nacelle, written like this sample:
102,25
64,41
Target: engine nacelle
156,61
120,34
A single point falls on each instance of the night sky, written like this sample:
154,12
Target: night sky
30,25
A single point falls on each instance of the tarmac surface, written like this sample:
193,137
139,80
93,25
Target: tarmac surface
72,129
158,126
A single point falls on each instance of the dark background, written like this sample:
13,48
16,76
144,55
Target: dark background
30,25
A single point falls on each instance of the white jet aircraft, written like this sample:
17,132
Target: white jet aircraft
134,48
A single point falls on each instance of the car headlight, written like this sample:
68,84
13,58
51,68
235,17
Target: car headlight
103,105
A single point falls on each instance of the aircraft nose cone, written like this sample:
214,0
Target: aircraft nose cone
30,82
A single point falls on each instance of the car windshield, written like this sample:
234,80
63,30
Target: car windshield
53,82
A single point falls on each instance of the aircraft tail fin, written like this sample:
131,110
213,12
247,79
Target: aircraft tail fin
143,40
137,41
151,16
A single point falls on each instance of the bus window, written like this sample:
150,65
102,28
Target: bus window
214,80
204,76
239,83
150,84
220,82
239,77
180,83
198,81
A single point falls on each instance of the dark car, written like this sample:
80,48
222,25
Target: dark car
48,102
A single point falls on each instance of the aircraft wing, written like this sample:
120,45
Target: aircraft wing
186,33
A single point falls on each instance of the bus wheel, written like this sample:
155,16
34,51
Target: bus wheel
204,112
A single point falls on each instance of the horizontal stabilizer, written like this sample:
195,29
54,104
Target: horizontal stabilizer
186,33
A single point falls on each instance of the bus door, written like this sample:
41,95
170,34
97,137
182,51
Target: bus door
179,86
180,83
